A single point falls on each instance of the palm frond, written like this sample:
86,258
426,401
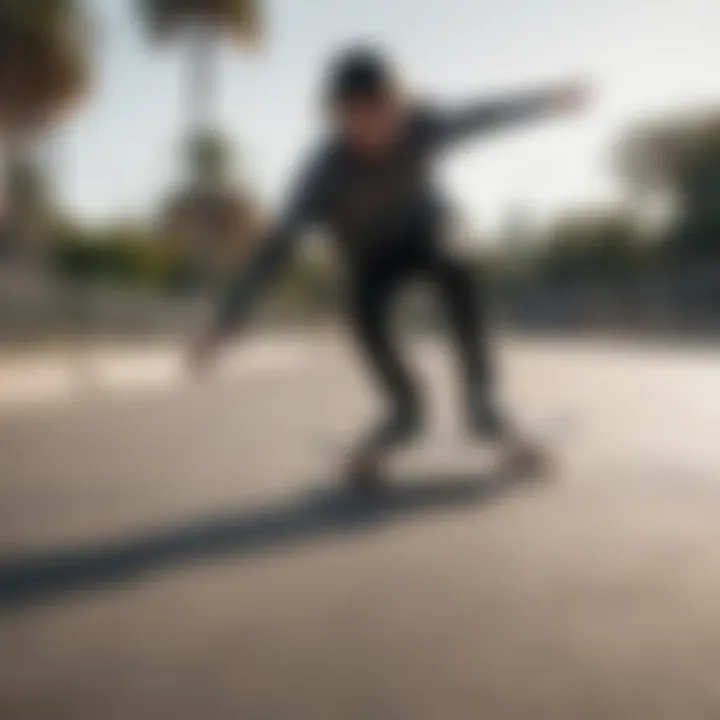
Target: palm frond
44,59
239,19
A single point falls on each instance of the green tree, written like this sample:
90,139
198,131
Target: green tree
601,247
44,71
681,158
121,254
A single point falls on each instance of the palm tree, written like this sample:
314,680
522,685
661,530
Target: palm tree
202,23
44,70
208,219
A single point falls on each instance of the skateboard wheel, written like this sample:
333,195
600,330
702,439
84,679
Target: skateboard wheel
364,474
530,461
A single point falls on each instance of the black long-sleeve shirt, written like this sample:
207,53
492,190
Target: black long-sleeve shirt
366,203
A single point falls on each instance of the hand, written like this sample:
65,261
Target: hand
571,97
203,353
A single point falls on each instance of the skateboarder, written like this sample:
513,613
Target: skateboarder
369,184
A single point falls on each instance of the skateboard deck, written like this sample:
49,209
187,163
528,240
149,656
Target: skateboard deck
528,454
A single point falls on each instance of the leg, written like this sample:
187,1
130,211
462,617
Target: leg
466,306
370,307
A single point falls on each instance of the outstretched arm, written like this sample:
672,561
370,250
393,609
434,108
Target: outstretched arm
270,255
456,125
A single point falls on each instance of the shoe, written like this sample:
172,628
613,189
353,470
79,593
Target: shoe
399,428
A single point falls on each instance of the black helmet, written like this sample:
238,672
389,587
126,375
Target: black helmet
357,73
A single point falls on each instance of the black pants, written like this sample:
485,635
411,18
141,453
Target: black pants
375,282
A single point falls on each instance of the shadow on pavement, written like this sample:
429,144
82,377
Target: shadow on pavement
36,577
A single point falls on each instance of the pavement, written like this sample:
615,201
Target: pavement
183,550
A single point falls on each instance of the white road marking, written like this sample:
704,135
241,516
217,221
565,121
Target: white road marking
63,378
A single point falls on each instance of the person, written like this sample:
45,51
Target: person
370,184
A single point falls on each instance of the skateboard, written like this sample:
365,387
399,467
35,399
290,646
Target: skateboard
520,458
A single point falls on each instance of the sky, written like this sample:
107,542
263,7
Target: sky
120,153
